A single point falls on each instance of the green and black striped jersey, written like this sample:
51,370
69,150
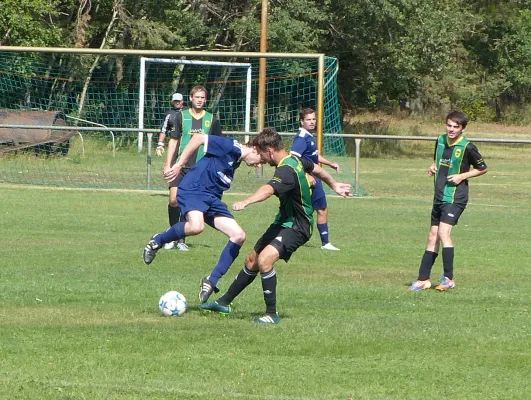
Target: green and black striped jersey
292,187
187,125
450,160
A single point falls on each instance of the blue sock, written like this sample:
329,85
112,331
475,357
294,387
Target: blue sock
323,232
174,233
228,255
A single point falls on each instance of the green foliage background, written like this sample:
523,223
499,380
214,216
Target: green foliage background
422,56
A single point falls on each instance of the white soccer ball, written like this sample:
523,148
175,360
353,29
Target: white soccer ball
172,304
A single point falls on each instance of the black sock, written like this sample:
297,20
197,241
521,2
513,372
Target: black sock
448,262
174,214
243,279
269,286
428,259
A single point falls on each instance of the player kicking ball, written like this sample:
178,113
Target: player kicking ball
292,227
199,197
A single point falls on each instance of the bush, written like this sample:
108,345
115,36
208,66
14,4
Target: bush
373,148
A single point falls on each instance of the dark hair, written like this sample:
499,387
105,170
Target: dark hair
458,117
268,138
304,112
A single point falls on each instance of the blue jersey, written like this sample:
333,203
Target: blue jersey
215,171
304,146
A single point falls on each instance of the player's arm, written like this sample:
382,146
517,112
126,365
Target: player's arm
195,142
476,161
166,126
333,165
342,189
432,170
173,145
215,129
299,146
262,194
160,144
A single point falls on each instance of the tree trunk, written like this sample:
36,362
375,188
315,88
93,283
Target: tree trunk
97,58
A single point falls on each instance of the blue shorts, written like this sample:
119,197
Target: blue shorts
208,204
318,196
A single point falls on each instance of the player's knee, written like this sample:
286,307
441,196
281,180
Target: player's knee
264,267
195,228
173,203
250,261
238,237
445,238
432,237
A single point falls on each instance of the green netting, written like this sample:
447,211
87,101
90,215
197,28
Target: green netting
95,91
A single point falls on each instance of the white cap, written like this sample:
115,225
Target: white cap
177,97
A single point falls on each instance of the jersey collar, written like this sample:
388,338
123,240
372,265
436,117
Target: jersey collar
454,143
304,130
280,162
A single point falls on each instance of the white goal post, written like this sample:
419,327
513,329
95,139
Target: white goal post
144,63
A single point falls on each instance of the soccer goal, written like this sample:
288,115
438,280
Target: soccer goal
123,95
228,85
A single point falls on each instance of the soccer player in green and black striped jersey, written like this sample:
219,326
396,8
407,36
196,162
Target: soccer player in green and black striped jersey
292,227
456,160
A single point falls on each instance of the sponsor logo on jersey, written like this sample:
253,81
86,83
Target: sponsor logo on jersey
224,178
446,162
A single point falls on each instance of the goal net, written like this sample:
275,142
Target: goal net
101,99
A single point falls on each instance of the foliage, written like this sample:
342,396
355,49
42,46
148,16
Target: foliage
432,54
32,22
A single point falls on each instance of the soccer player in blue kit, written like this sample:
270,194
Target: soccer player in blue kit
305,146
292,227
199,197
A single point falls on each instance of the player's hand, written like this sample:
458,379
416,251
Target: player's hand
343,189
159,151
171,173
239,205
455,179
335,166
432,170
312,180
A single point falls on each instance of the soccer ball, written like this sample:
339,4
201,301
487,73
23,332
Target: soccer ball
172,304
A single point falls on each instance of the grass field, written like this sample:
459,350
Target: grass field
79,317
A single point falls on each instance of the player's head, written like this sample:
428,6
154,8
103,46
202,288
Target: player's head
267,143
177,100
198,97
458,117
308,119
456,122
250,155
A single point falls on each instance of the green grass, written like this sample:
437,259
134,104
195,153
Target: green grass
79,317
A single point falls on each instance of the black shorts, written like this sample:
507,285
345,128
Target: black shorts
179,178
285,240
446,212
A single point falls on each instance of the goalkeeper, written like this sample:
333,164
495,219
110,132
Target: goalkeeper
169,121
